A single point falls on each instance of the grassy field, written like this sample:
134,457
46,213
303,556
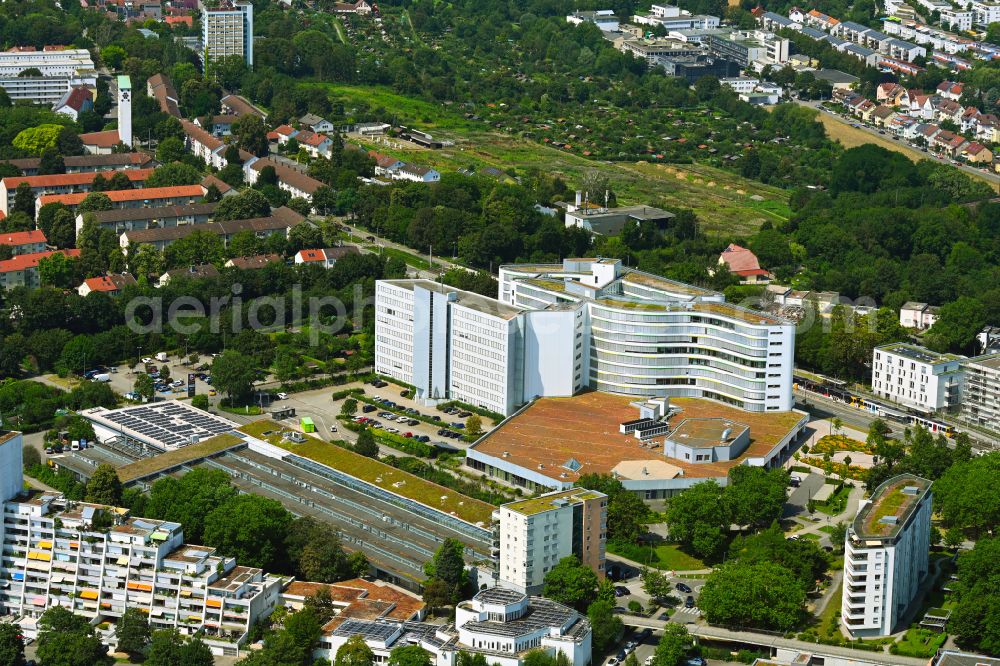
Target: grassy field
850,137
722,200
668,557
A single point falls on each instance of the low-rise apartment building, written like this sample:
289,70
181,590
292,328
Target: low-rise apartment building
24,242
181,195
163,217
62,183
22,270
534,534
916,377
886,556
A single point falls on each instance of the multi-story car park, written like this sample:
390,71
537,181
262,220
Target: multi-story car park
558,328
981,391
886,555
916,377
97,561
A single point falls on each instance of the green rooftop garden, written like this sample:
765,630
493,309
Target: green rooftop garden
376,473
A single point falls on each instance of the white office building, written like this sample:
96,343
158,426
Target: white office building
502,625
534,534
97,561
917,378
984,13
886,556
60,71
227,30
558,328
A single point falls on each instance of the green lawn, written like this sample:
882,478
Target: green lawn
412,260
252,410
917,642
812,536
661,556
837,502
828,529
828,624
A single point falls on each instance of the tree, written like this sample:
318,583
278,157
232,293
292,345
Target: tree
755,496
143,385
838,535
673,647
244,206
976,619
957,325
24,200
804,558
104,486
51,162
57,270
169,648
954,538
251,134
172,175
250,528
11,645
65,639
625,510
132,631
29,458
113,56
656,584
190,499
354,652
762,596
234,373
196,248
62,232
699,518
448,566
572,583
965,494
409,655
35,140
95,201
474,426
200,401
316,554
606,626
437,593
366,445
349,407
170,150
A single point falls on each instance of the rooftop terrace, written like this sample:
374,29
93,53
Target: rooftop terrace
919,354
177,457
890,507
550,501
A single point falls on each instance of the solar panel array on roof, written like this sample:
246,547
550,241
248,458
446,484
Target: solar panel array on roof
172,424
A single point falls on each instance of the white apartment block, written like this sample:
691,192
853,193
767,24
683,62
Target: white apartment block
502,625
227,30
536,533
886,556
916,377
957,19
558,328
61,70
984,13
981,391
97,561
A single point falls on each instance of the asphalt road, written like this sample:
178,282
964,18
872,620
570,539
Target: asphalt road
992,178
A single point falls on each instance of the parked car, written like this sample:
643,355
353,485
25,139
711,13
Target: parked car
683,587
423,438
464,414
402,419
412,422
367,409
333,428
282,396
621,591
458,425
407,434
689,602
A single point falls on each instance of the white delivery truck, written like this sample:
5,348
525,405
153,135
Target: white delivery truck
101,377
161,356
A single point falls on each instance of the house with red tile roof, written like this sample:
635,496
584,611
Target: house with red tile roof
742,262
76,100
62,183
950,90
385,165
291,180
948,142
325,257
110,284
24,242
22,270
977,153
101,143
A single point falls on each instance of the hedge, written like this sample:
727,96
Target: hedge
496,418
